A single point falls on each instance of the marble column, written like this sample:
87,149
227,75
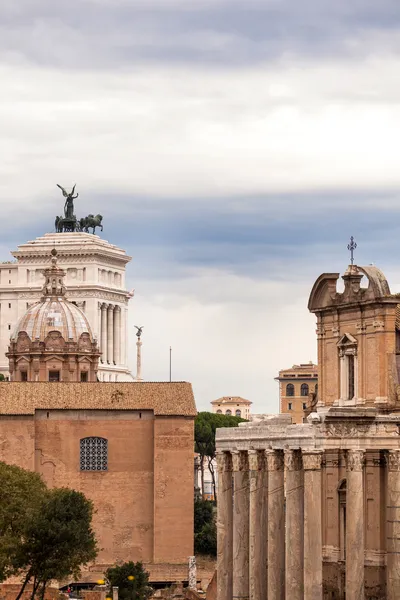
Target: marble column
393,526
355,526
312,525
294,530
110,333
240,525
224,526
117,335
104,333
276,526
258,530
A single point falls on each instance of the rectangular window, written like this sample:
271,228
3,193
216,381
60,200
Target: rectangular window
84,376
24,375
9,327
350,365
289,406
9,305
54,375
304,405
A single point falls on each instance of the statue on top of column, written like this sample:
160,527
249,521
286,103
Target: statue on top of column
139,331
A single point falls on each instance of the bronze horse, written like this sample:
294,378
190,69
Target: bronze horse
91,222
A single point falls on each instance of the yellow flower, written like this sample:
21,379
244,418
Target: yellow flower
131,577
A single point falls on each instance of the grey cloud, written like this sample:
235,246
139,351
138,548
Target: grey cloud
103,34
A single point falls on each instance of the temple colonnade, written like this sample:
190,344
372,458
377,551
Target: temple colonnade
110,333
270,524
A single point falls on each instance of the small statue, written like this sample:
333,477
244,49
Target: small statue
139,331
69,202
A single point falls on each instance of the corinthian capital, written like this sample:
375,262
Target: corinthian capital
355,460
274,460
239,460
312,460
293,460
224,461
393,460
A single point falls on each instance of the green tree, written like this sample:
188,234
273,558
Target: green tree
205,426
205,542
59,539
21,497
203,514
131,579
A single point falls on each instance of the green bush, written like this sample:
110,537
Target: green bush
205,542
131,579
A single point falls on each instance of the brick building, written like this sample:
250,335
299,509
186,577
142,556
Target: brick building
295,386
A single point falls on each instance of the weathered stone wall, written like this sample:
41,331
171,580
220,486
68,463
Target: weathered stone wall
173,489
9,591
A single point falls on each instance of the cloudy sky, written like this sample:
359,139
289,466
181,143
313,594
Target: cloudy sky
232,146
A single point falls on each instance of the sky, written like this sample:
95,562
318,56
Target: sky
232,148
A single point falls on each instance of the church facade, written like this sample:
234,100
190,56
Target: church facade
312,511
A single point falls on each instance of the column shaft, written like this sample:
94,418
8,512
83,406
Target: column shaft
103,333
276,526
258,529
294,530
110,333
393,526
117,335
355,526
312,525
240,526
224,527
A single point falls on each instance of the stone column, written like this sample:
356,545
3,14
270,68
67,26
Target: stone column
98,325
115,593
192,575
312,525
117,335
104,333
240,525
355,526
224,526
258,530
294,530
276,526
110,333
393,526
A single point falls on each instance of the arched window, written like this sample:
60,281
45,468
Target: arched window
94,454
304,389
228,412
219,411
238,412
290,389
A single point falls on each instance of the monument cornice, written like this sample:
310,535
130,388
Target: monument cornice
88,293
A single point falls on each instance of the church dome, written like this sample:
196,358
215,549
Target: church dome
53,312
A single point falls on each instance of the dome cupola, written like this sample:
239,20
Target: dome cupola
53,341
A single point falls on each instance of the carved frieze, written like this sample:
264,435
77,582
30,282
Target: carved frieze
355,460
348,429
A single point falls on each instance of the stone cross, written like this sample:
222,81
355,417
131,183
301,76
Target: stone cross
352,246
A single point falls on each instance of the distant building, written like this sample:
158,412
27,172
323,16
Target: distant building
232,405
295,386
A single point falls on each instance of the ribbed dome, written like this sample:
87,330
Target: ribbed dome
53,312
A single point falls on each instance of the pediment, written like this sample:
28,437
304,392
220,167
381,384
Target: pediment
54,358
347,340
22,359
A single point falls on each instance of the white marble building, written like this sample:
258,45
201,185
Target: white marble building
95,278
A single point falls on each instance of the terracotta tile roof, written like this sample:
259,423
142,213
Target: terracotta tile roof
164,398
231,399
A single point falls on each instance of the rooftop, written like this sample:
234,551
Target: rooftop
231,400
164,398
